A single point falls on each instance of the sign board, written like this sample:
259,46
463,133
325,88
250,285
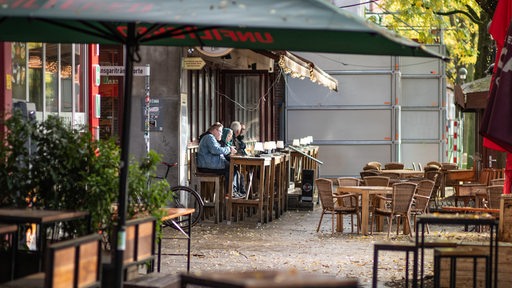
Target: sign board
119,71
193,63
154,120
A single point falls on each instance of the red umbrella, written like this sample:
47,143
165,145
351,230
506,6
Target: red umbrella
495,125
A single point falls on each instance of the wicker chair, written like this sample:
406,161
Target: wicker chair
344,204
449,166
375,164
370,167
422,197
497,181
435,163
399,206
348,181
437,177
367,173
376,181
493,197
431,168
394,166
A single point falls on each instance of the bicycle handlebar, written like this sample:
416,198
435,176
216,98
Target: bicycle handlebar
169,165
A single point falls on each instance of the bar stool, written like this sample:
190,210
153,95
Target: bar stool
211,197
460,252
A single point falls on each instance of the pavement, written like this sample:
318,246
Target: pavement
289,243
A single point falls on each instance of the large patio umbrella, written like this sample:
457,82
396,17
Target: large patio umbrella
495,126
298,25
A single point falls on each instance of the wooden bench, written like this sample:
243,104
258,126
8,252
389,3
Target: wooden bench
140,250
71,263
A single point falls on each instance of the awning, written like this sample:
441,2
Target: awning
299,67
473,95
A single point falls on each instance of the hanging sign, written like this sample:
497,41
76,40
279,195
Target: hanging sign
119,71
193,63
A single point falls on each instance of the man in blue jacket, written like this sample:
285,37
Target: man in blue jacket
211,157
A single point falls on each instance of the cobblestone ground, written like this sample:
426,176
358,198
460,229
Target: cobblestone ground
292,243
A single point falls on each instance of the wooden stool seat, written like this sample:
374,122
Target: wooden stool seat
198,182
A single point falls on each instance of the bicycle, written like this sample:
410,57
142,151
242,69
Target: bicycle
183,197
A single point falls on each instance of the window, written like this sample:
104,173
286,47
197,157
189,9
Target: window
50,78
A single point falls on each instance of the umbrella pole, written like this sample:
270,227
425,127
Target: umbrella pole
125,150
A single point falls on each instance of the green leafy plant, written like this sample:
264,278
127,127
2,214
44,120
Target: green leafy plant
50,165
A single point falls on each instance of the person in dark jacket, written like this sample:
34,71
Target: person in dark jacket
238,137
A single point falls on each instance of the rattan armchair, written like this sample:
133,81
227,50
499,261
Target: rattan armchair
376,181
394,166
437,177
367,173
398,207
336,204
421,199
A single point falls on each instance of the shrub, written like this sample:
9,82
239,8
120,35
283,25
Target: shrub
50,165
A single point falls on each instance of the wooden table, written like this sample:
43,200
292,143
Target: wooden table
257,195
455,219
264,279
173,213
276,187
468,192
365,192
454,177
43,218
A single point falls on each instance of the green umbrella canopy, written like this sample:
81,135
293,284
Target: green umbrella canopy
297,25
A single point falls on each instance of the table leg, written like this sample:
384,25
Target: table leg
229,203
339,223
188,241
364,212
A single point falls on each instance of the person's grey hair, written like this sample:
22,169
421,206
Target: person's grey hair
236,126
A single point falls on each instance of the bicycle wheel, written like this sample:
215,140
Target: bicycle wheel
185,197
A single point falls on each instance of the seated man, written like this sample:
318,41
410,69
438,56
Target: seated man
211,156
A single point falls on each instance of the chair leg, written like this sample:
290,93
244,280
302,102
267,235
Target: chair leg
398,223
352,223
408,219
332,223
390,222
358,223
320,222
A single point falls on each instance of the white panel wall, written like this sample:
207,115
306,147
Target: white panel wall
358,123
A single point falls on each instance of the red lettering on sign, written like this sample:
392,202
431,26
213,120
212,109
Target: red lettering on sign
230,34
191,30
217,34
245,36
267,39
207,35
213,35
